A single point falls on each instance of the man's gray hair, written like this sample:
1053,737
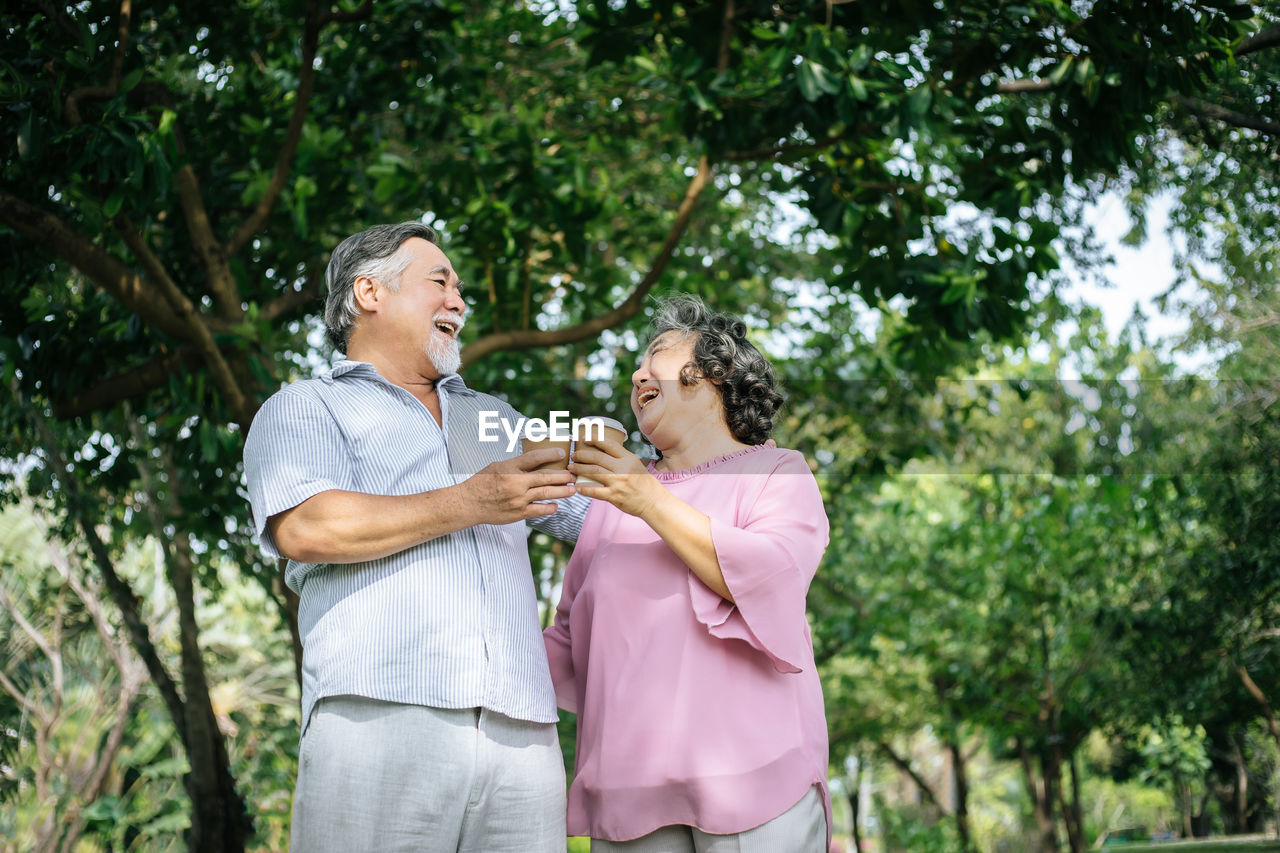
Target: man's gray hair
378,253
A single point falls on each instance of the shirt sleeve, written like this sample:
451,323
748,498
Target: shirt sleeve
294,450
566,522
768,562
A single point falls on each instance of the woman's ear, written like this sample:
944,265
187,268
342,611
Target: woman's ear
690,375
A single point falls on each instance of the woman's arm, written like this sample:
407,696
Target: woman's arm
627,484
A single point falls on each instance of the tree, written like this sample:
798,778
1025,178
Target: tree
71,676
172,177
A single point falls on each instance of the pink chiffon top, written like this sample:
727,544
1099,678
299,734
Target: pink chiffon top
691,709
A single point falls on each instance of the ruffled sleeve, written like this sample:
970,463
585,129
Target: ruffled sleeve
768,555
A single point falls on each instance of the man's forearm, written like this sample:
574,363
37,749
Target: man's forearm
352,527
338,526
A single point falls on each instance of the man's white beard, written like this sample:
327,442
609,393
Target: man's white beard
444,354
443,351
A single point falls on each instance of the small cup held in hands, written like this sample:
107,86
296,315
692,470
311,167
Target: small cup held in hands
528,444
598,429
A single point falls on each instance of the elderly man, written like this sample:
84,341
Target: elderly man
428,713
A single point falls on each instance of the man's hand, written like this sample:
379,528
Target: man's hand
338,526
510,490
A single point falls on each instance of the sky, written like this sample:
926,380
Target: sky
1140,274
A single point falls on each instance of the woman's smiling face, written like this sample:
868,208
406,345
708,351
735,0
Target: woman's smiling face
668,412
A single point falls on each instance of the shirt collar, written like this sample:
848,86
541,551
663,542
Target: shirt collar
452,382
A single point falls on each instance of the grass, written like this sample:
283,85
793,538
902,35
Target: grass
1225,845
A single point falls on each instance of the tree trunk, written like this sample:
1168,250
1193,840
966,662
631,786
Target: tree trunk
1241,799
220,822
1256,692
1070,816
1041,801
961,793
1184,804
855,806
1077,813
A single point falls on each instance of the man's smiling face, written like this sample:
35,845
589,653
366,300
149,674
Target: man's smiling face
429,304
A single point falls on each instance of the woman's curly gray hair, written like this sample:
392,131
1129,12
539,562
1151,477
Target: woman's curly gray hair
722,353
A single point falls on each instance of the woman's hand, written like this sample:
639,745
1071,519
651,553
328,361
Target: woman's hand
627,484
624,480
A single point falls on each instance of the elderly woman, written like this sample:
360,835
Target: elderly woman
680,639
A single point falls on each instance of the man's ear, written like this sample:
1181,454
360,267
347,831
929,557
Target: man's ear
367,292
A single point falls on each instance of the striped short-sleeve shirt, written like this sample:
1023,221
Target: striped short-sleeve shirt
450,623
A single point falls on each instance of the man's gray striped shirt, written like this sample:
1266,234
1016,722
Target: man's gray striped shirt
450,623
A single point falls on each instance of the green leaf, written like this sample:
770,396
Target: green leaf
860,58
208,442
1060,71
130,80
1084,68
113,204
700,98
815,80
165,125
918,102
105,808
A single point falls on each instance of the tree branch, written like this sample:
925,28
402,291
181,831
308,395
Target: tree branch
119,589
360,14
57,12
1019,86
1231,117
726,36
197,332
92,603
1270,37
778,152
131,679
124,386
1267,38
1255,691
121,283
39,639
905,766
301,102
71,108
528,339
37,713
290,300
212,255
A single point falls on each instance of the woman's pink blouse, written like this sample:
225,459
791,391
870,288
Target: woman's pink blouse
692,710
